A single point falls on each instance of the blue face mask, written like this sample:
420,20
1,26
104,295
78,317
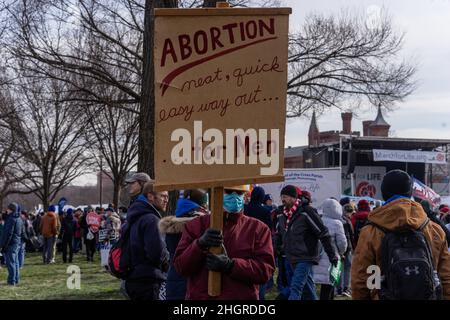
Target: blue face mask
233,203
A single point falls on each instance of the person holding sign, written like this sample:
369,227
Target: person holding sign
246,261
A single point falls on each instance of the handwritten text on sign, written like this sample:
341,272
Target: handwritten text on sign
220,96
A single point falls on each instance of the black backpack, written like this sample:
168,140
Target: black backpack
119,259
407,266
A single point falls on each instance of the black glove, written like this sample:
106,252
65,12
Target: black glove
334,261
211,238
219,263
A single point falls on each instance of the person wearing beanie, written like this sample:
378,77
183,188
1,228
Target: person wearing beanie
191,206
68,227
302,246
396,184
11,241
49,230
399,212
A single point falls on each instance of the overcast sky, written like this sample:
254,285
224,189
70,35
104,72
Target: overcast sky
426,113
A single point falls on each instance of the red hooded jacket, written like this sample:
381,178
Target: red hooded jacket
247,241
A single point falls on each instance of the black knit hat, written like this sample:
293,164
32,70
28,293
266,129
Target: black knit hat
396,182
289,190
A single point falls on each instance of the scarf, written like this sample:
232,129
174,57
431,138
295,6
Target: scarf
290,212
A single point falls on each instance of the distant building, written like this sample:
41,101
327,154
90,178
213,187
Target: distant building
356,157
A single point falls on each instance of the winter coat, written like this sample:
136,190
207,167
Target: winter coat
332,219
397,214
149,256
173,227
13,230
49,225
247,241
300,242
68,227
256,209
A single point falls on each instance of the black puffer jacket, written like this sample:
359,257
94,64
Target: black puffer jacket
300,242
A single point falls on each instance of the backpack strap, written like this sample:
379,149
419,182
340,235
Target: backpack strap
384,230
423,225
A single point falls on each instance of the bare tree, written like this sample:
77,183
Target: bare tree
340,61
51,144
114,137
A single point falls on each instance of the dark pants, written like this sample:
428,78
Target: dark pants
326,292
47,252
67,242
142,290
90,249
12,263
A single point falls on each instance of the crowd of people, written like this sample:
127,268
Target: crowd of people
292,249
66,232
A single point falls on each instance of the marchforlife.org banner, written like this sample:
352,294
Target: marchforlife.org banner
409,156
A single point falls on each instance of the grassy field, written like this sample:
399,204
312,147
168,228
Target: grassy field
49,282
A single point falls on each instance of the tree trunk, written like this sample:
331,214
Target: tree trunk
172,205
147,108
116,193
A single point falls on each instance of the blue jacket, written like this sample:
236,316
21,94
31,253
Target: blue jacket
256,209
12,231
149,256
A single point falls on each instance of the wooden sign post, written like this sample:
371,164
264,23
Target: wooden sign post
220,101
214,279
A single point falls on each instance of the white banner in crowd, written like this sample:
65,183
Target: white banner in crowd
409,156
321,183
367,181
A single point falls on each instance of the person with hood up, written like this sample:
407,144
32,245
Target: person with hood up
49,230
398,213
68,228
255,208
11,241
359,219
191,206
332,219
246,261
